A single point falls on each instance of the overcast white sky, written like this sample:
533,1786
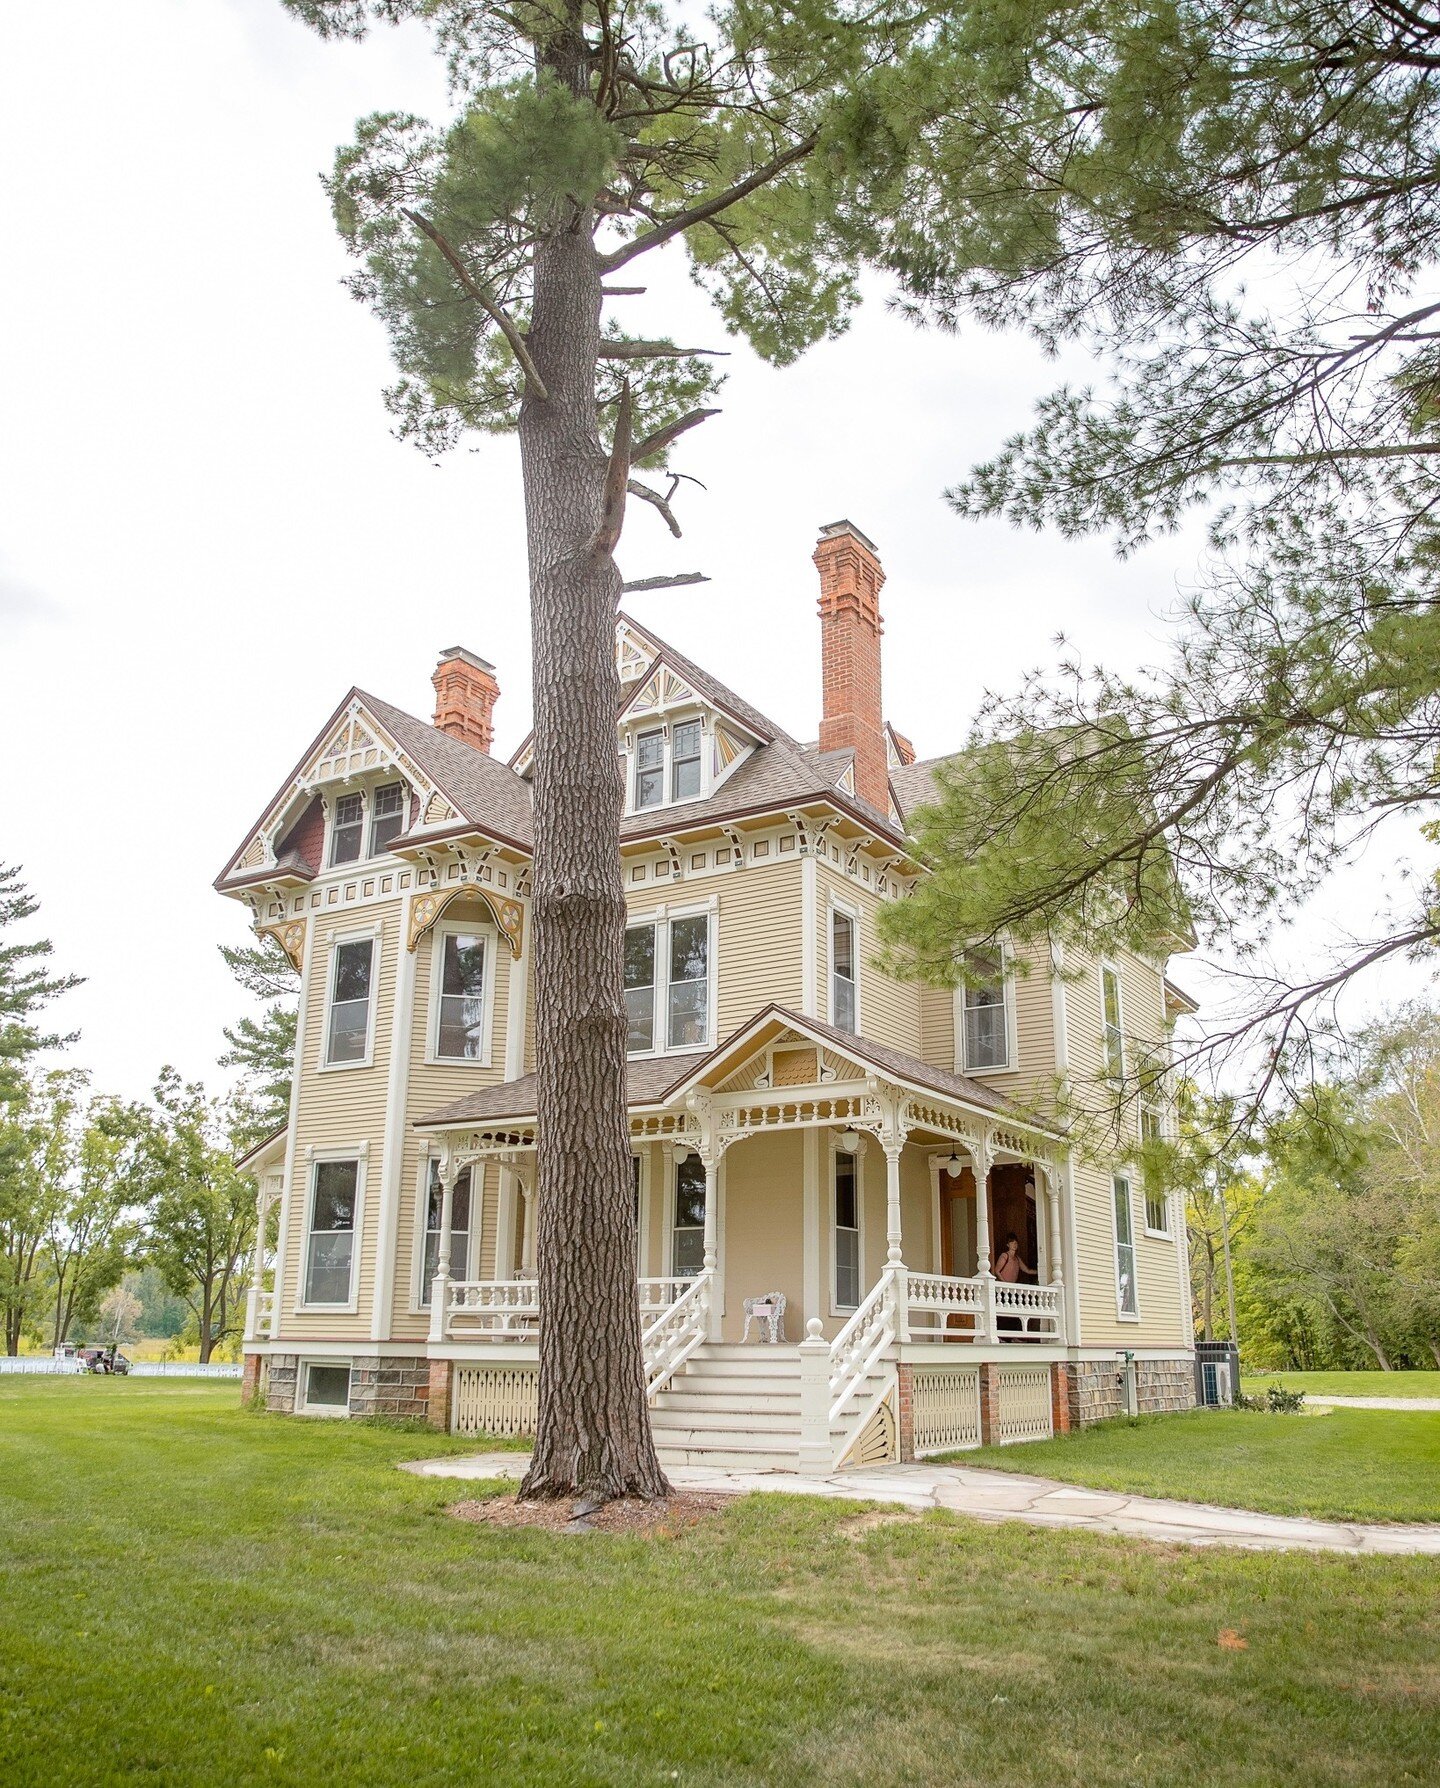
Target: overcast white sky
208,533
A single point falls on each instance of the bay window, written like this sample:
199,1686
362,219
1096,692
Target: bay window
1126,1299
347,1033
667,984
986,1014
844,989
330,1247
460,1024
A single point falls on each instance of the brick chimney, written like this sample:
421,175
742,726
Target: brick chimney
850,627
465,697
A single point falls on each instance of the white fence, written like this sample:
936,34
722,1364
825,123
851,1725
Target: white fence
41,1365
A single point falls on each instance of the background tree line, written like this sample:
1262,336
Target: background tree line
1315,1232
118,1217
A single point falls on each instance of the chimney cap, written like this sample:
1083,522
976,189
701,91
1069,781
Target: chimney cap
449,653
832,529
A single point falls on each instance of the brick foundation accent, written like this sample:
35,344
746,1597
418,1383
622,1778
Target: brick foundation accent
989,1403
393,1385
250,1377
1061,1376
437,1412
905,1414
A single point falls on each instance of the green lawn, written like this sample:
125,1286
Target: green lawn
1348,1384
194,1595
1348,1464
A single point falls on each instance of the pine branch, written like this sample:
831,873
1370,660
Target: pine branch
502,322
656,350
683,220
663,437
653,497
665,583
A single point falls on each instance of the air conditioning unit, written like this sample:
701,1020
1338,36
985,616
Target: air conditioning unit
1215,1380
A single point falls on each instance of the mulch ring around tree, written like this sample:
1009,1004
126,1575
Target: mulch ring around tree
661,1519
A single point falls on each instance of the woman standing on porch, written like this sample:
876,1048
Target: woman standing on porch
1009,1267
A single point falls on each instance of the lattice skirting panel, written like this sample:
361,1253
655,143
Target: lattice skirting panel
947,1409
499,1400
1022,1404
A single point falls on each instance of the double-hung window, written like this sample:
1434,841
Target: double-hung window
685,761
460,1022
1114,1023
987,1020
330,1253
650,769
352,978
1157,1210
459,1263
347,829
687,1235
847,1231
844,990
1125,1295
387,816
667,984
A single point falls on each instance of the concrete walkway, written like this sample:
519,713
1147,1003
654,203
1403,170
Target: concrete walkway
1421,1405
1008,1496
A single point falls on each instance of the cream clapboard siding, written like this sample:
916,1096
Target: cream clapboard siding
937,1027
889,1010
1157,1259
435,1084
341,1109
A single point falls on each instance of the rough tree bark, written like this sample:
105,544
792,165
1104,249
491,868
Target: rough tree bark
594,1427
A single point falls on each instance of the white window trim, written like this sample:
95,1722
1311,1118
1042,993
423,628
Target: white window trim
1121,1314
326,1411
851,911
836,1307
417,1240
334,939
1166,1203
672,1198
368,838
1012,1034
665,725
366,791
1112,968
359,1153
458,928
662,917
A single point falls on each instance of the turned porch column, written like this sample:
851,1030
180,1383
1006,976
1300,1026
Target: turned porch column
257,1265
527,1234
440,1284
710,1262
981,1157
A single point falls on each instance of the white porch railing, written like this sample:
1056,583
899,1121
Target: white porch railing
983,1308
674,1317
860,1345
259,1314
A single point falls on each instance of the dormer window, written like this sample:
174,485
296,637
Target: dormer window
348,829
685,761
387,816
650,769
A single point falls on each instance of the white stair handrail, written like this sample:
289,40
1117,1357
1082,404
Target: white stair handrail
670,1338
865,1338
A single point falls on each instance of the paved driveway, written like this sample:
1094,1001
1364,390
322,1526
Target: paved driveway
1010,1496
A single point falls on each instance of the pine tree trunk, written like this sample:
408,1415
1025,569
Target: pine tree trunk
593,1431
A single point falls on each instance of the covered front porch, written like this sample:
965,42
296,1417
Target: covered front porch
868,1212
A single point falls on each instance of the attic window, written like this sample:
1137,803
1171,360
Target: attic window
387,817
685,761
348,829
650,769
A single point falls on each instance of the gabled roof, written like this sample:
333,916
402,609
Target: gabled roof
914,784
487,794
708,688
660,1080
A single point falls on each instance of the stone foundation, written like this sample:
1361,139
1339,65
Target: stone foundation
1096,1393
280,1383
393,1385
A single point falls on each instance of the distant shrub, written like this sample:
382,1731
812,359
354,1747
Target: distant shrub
1274,1400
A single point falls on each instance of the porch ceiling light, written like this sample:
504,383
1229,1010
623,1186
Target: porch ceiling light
849,1140
955,1165
682,1155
